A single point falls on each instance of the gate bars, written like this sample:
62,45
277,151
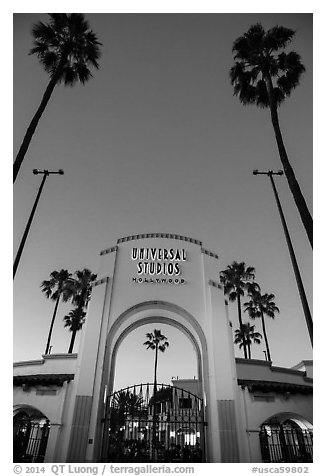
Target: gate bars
147,424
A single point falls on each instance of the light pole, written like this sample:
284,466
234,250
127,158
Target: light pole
302,293
45,173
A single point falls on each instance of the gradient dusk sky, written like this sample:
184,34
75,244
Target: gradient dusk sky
156,142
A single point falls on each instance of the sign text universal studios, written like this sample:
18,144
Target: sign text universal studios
158,265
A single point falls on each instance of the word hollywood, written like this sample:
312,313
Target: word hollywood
161,262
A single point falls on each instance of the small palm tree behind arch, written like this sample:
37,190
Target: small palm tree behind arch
246,336
80,286
259,306
158,342
74,321
236,279
56,288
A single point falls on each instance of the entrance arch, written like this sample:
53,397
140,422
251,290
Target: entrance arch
141,314
196,306
154,312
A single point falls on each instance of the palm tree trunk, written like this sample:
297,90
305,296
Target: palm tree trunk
34,122
240,324
72,341
249,351
265,337
74,332
155,369
52,323
289,173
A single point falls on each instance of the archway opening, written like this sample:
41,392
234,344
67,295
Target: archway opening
148,418
135,363
30,435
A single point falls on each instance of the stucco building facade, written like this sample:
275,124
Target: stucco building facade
170,279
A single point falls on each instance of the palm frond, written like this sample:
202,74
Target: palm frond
278,37
255,59
67,45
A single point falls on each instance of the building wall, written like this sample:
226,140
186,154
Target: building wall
48,364
118,306
36,396
258,405
255,413
253,408
189,385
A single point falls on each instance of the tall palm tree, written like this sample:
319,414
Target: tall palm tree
246,336
264,75
56,288
158,342
235,280
74,321
81,287
259,306
67,49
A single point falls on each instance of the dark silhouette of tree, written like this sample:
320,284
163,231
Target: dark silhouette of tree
81,287
246,336
158,342
74,321
56,288
259,306
67,49
165,394
264,76
235,280
125,403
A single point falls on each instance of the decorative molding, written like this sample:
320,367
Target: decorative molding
267,363
109,250
209,253
278,387
42,379
59,356
289,371
24,363
241,360
101,281
159,235
169,236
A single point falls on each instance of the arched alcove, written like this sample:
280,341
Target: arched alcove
282,417
154,312
30,434
286,437
134,362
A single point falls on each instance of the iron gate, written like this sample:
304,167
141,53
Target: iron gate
286,445
144,423
30,440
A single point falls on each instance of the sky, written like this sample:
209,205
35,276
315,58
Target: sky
156,142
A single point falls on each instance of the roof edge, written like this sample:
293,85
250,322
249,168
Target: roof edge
142,236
